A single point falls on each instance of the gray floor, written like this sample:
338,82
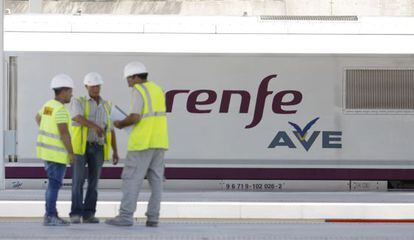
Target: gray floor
218,229
16,229
176,196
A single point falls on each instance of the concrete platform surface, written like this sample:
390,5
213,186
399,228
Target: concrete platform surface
231,205
32,229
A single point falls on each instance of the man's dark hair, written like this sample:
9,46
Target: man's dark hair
143,76
59,90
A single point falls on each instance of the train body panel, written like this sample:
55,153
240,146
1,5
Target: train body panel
239,107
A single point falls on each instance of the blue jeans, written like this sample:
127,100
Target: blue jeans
55,173
93,158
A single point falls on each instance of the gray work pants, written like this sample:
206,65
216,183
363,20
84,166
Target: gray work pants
139,164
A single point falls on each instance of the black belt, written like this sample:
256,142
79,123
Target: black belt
94,143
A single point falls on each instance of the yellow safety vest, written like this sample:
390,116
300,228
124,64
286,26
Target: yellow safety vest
151,131
49,144
79,133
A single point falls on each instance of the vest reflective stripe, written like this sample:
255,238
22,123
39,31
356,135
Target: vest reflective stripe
49,146
80,133
148,97
149,105
108,134
46,134
154,114
54,141
152,130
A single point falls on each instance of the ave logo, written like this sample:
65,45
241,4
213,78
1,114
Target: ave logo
306,138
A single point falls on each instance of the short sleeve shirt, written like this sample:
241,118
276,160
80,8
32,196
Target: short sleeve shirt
137,102
97,114
62,116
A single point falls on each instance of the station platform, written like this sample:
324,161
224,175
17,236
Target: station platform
224,215
367,206
207,230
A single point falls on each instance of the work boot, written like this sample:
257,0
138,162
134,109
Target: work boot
54,221
151,224
120,222
75,219
91,219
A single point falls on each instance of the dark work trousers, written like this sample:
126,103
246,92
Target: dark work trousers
89,167
55,174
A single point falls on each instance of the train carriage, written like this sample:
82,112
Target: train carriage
254,103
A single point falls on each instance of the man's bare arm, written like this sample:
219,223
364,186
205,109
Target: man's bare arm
115,156
132,119
38,119
65,137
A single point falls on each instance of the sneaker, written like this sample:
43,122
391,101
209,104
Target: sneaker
151,224
54,221
117,221
75,219
91,219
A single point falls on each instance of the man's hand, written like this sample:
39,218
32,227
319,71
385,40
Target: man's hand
98,130
89,124
72,158
132,119
115,158
117,124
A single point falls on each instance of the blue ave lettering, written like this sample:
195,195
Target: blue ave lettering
330,139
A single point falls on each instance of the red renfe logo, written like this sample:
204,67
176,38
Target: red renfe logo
278,103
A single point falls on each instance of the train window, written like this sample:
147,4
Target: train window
376,90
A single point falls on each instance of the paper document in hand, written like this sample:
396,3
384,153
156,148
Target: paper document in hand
117,114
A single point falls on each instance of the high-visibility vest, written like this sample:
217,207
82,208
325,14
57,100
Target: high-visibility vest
151,132
49,144
79,133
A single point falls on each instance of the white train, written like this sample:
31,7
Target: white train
250,99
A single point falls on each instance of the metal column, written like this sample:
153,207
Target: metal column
10,137
2,177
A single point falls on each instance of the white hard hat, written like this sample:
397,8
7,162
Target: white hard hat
134,68
61,80
92,79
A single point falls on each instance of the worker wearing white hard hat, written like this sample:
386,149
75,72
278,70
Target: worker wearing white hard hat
61,81
147,144
54,143
93,79
134,68
92,139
